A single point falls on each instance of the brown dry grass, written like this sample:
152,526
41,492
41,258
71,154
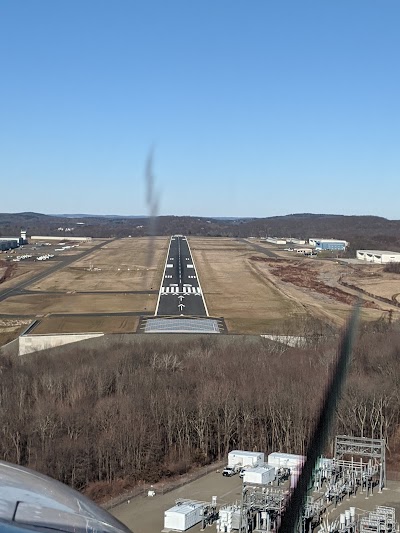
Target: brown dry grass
7,336
10,329
234,289
105,324
253,297
315,284
25,270
124,267
41,304
3,269
123,254
387,288
374,279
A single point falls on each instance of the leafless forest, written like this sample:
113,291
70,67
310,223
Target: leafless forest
367,232
154,409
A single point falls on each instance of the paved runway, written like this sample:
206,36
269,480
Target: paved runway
258,248
180,292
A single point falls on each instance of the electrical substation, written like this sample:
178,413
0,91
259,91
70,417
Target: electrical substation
358,467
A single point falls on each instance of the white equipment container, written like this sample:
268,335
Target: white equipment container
183,516
243,458
229,519
286,460
261,475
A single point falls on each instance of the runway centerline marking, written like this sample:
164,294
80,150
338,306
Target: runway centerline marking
180,280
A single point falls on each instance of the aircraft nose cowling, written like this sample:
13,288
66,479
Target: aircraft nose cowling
31,501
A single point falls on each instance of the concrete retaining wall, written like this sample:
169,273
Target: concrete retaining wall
289,340
34,343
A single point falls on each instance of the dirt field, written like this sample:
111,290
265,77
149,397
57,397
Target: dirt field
234,289
41,304
146,515
121,265
316,284
73,324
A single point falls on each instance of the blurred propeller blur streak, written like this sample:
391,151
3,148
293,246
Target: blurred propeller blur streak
292,515
152,201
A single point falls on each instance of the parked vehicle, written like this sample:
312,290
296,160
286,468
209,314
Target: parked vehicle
228,471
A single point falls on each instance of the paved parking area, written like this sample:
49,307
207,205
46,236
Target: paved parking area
146,515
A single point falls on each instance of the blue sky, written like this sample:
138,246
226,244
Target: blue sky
256,108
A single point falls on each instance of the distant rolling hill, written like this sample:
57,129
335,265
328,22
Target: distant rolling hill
361,231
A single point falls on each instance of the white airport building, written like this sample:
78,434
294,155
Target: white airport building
58,238
378,256
304,251
275,240
297,241
328,244
9,243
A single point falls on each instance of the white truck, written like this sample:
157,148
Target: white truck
229,471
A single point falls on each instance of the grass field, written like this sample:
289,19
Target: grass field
387,288
122,265
105,324
24,271
10,329
235,290
254,296
40,304
27,269
374,279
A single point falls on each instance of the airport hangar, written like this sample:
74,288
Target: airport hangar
328,244
9,243
378,256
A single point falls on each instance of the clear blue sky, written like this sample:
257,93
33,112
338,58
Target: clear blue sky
255,108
